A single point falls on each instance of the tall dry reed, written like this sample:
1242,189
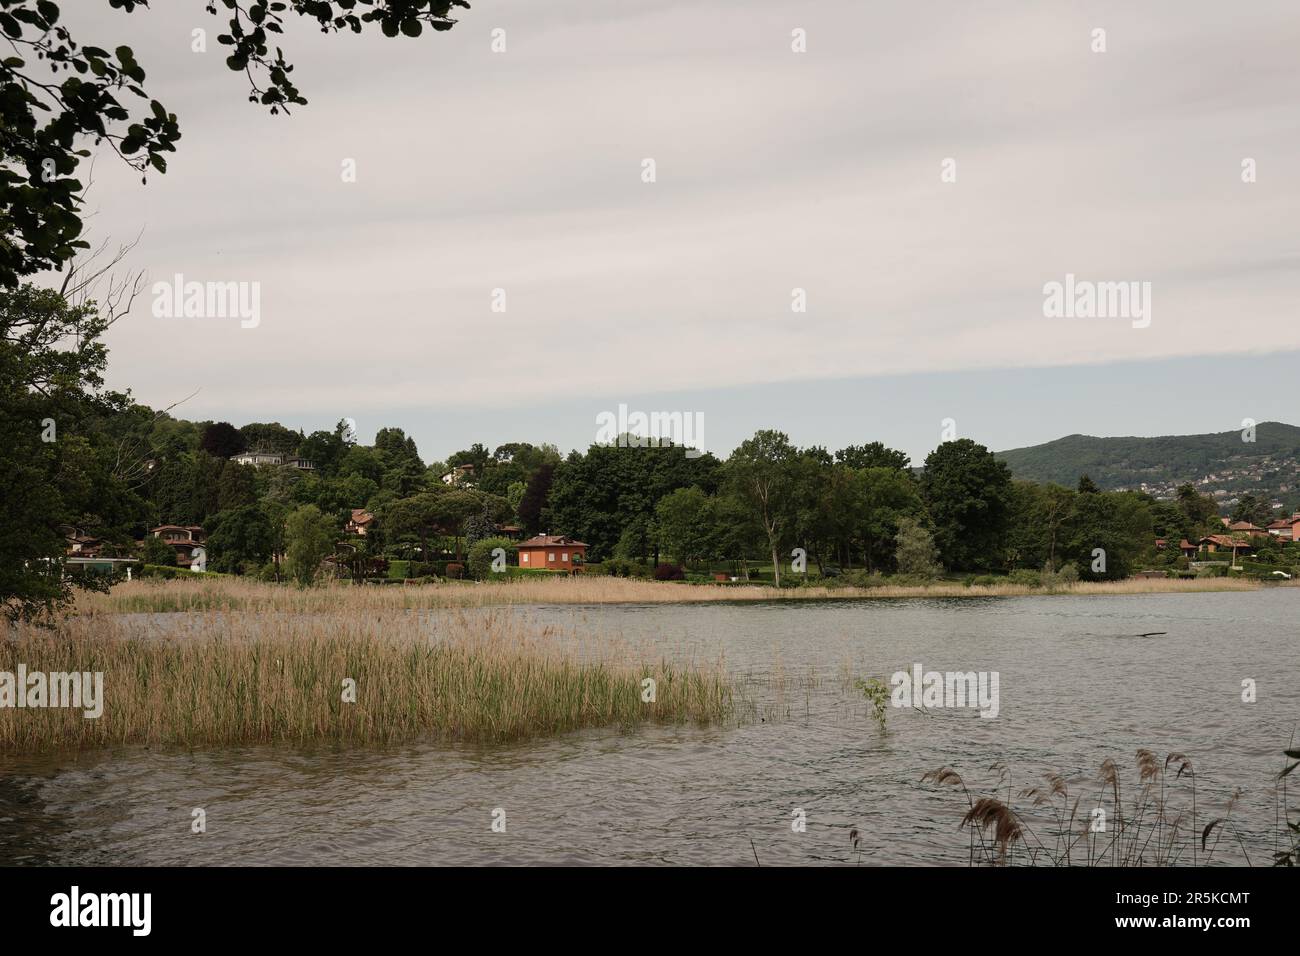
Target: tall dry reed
233,679
205,594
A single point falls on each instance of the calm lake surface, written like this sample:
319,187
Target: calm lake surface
1076,686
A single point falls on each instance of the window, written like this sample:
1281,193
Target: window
564,556
524,557
552,557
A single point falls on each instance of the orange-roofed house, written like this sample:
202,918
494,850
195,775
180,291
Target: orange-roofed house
360,522
1283,528
1222,542
553,552
1245,526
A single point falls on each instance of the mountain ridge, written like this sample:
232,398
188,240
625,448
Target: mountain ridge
1224,465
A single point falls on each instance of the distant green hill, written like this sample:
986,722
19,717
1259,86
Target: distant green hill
1268,468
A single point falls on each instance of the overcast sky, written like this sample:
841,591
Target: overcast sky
775,170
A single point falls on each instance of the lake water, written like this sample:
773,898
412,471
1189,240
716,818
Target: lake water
1076,686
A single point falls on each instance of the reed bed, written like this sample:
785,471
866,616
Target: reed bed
1156,820
246,679
235,594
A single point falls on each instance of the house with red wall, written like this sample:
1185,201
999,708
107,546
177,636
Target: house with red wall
554,552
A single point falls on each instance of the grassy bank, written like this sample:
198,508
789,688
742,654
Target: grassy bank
237,594
244,679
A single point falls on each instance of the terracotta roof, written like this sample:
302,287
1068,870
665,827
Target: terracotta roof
550,540
1185,544
1244,526
1224,541
1281,523
362,516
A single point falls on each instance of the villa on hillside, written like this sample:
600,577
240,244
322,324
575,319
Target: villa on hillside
260,458
462,476
81,545
184,538
360,522
555,552
1286,529
1221,542
1245,527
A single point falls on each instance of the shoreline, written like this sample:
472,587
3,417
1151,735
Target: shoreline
235,594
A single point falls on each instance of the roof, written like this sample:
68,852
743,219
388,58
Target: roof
1244,526
1226,541
1282,523
362,516
550,540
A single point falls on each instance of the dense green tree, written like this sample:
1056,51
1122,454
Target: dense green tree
879,499
60,467
270,437
873,455
762,474
309,537
1200,510
1036,528
1107,533
326,449
236,486
154,550
515,495
240,539
403,471
1249,508
687,526
916,554
362,462
968,494
533,502
598,495
221,440
413,520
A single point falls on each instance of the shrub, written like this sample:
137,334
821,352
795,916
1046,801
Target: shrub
154,550
916,554
622,568
455,571
670,572
479,560
515,572
163,571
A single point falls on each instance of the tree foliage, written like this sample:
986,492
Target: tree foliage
59,96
